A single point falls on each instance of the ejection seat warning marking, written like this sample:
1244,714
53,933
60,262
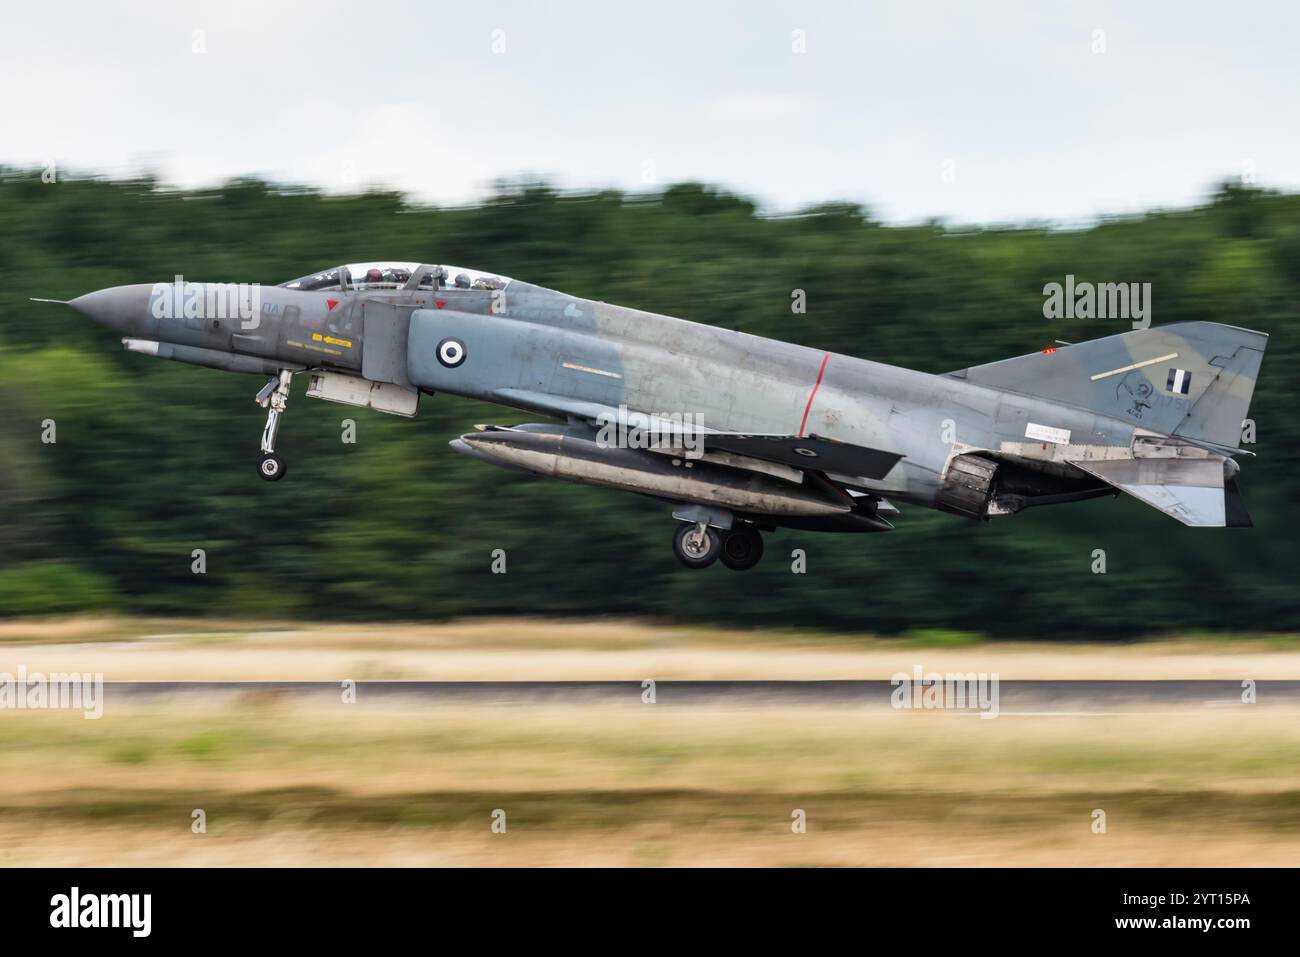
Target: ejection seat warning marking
1045,433
1136,365
577,368
345,343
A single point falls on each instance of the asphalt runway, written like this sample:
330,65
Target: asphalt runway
1031,697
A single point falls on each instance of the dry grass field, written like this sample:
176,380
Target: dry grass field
515,649
286,781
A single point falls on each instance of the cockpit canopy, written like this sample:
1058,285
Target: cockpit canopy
394,275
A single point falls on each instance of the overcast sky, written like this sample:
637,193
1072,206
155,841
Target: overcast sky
966,111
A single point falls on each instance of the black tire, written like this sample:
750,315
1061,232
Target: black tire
692,558
742,548
271,467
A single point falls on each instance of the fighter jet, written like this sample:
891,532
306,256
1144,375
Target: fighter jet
739,435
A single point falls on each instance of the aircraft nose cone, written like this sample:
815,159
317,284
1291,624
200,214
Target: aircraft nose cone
123,308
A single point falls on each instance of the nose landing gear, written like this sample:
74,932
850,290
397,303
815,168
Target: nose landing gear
274,397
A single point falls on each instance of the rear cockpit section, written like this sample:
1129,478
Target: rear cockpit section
458,277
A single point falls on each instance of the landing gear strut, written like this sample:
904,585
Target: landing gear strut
273,397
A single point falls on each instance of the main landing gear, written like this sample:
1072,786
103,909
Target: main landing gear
273,397
696,545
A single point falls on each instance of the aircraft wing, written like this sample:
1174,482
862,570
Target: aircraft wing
807,452
1190,490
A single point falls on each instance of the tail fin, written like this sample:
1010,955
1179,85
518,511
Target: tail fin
1192,379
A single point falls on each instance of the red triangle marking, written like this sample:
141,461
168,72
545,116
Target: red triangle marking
331,303
440,302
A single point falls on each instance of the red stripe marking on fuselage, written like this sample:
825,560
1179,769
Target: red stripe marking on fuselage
813,394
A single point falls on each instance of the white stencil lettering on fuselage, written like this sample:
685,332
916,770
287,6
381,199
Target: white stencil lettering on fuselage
1045,433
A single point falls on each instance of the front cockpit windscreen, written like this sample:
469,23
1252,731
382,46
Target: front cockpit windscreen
325,279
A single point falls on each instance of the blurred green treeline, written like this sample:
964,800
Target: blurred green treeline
155,459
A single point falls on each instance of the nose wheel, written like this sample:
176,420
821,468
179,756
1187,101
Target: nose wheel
271,467
274,397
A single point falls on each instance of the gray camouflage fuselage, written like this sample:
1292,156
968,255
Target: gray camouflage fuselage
1050,425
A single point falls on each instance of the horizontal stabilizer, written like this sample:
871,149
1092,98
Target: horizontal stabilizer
1191,490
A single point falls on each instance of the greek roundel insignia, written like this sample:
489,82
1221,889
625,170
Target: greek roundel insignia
1180,380
451,352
